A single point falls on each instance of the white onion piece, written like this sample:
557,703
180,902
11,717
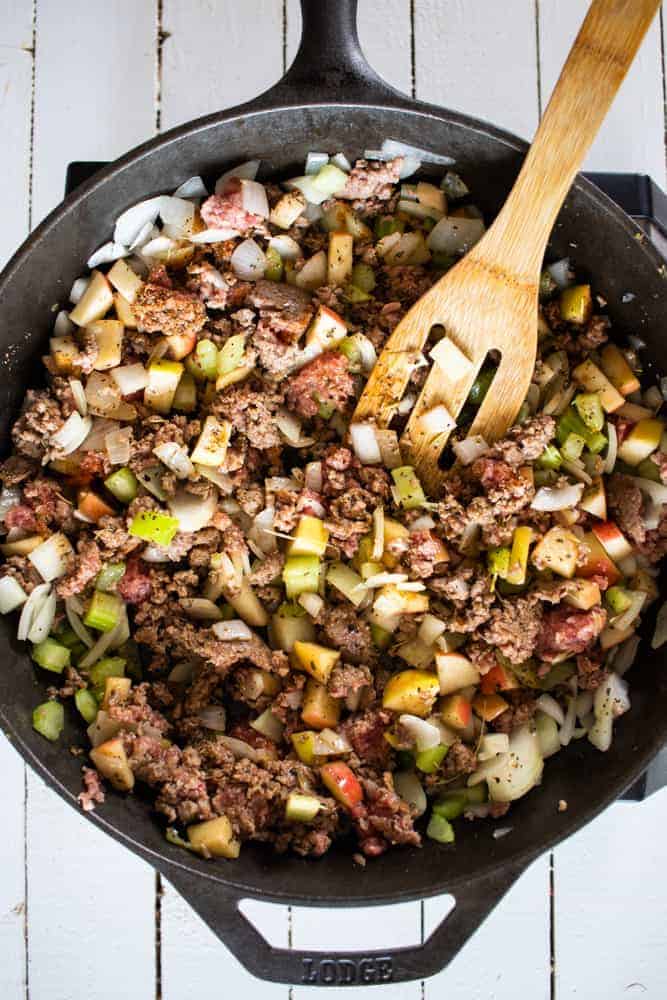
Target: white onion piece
155,554
72,434
51,558
284,245
519,770
105,641
486,770
328,742
194,187
78,289
221,479
651,516
626,654
63,326
10,497
378,533
12,595
248,261
253,198
431,629
312,604
130,223
176,458
314,161
549,498
130,378
193,512
101,427
269,725
425,734
408,786
561,273
79,396
548,704
177,212
470,449
313,212
31,609
313,476
341,160
306,185
213,717
632,612
656,491
367,352
423,523
584,704
261,530
493,744
201,609
182,673
147,233
213,236
103,728
73,610
107,253
567,728
610,700
233,630
576,469
365,444
239,748
117,444
612,449
453,235
158,247
243,170
289,425
391,148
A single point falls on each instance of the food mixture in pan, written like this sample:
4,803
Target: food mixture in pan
247,597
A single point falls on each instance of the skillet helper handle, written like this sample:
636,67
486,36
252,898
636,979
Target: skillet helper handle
219,908
330,65
602,54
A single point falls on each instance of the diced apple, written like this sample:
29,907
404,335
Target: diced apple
411,691
310,538
95,301
318,661
288,628
576,304
521,542
566,517
393,531
124,311
557,551
64,352
313,274
110,760
179,345
93,506
215,838
489,706
612,539
287,210
641,442
615,636
498,678
108,335
232,377
456,711
319,710
634,413
22,546
598,563
455,672
339,259
125,280
618,371
590,376
163,379
583,594
342,783
326,330
116,688
304,746
594,500
211,447
389,600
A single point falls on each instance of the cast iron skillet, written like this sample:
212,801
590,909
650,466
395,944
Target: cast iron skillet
331,99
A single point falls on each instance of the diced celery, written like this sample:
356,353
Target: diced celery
481,386
572,447
571,423
231,354
206,356
301,808
409,489
576,304
109,576
385,225
86,703
354,294
498,561
363,277
103,612
51,655
123,485
381,638
49,720
67,637
523,414
110,666
349,347
550,458
274,265
429,761
649,470
440,829
544,477
346,582
442,261
154,526
590,410
301,575
185,397
619,599
547,285
451,806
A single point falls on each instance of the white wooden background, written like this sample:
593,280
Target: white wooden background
82,919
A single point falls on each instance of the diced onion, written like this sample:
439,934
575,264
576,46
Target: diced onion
314,161
117,444
610,700
31,609
289,425
63,326
78,289
567,727
549,498
233,630
248,261
312,604
253,198
176,458
656,491
612,449
269,725
408,786
470,449
284,245
367,352
493,744
194,187
548,704
213,717
147,233
329,742
626,654
365,444
201,609
378,533
73,610
51,558
155,554
12,595
247,170
105,641
313,476
158,247
561,273
42,620
107,253
72,434
431,629
576,469
239,748
637,600
130,378
103,728
213,235
221,479
519,770
130,223
193,512
261,531
79,396
341,160
177,213
438,420
425,734
391,148
453,235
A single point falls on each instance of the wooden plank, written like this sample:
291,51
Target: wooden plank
94,87
632,137
384,33
509,956
217,55
91,908
479,58
193,957
611,905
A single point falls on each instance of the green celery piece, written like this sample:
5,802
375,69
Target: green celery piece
450,806
363,277
291,609
550,458
544,477
572,447
547,285
154,526
301,808
523,414
103,612
428,761
498,561
51,655
440,829
387,224
590,410
86,703
325,410
355,294
231,354
618,599
123,485
67,637
481,386
274,265
381,638
649,470
109,666
48,720
571,423
109,576
206,354
185,397
349,347
442,261
408,487
301,575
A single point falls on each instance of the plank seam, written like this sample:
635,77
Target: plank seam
538,57
552,925
284,38
26,939
413,52
160,37
158,935
664,82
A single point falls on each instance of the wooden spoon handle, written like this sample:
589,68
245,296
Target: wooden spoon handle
596,66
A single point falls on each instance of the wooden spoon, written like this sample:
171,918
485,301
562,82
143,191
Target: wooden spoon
490,299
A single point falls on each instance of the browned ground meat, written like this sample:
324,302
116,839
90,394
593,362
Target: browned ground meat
325,381
165,310
343,629
40,420
93,792
521,709
513,628
251,409
286,310
625,503
84,567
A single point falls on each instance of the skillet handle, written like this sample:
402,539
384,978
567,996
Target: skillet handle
330,66
219,908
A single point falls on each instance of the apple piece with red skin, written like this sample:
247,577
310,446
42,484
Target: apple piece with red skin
612,540
598,564
489,706
179,345
93,507
499,678
342,783
594,500
456,711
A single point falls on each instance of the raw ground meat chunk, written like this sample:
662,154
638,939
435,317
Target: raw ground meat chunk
325,381
226,211
565,630
370,179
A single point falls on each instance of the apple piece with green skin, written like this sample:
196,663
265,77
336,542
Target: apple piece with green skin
125,280
592,379
214,837
456,711
615,636
95,301
489,706
318,661
594,500
411,691
576,304
499,678
163,378
583,594
304,747
642,441
289,626
319,710
612,539
455,671
342,783
618,371
598,564
211,447
521,542
301,808
310,538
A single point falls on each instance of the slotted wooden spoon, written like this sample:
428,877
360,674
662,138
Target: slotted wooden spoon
489,300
